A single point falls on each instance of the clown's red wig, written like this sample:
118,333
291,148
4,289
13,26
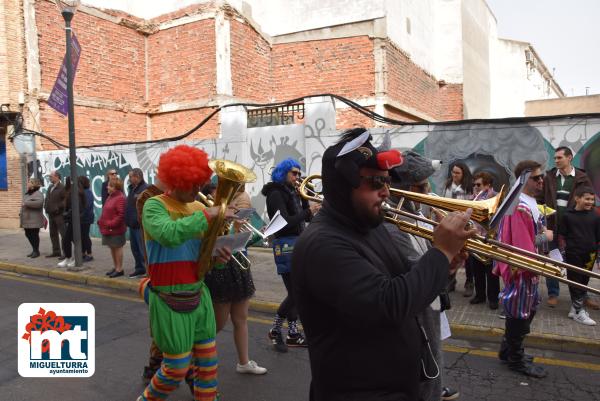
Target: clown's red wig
182,167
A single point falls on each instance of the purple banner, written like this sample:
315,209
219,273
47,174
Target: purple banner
58,99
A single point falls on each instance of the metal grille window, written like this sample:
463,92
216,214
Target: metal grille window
272,116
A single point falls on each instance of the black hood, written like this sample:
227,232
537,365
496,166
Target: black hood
341,174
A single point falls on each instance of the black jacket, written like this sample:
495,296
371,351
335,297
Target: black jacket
55,200
581,179
358,300
131,216
292,207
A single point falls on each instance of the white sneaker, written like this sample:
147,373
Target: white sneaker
572,312
71,262
63,263
583,318
251,367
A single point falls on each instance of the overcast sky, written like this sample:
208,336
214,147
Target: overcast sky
565,33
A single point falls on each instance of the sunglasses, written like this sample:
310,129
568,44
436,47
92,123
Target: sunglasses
296,173
477,184
539,177
377,181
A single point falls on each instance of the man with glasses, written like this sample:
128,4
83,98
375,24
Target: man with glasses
110,174
282,196
560,185
487,285
357,295
520,296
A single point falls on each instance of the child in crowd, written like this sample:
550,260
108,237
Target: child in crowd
579,239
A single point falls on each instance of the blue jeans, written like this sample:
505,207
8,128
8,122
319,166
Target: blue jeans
553,287
135,240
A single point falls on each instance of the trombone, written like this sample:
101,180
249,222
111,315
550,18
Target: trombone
485,247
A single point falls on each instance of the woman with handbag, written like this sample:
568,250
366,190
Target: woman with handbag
32,216
112,225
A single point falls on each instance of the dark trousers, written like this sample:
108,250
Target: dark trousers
67,238
487,285
57,226
137,248
33,236
578,295
287,309
468,271
86,241
511,349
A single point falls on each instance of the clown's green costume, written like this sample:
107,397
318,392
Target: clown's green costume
182,318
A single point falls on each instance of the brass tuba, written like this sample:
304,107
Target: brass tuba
231,176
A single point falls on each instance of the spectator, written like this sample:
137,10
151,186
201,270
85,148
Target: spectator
55,206
110,174
560,184
231,288
458,186
69,260
487,285
136,187
87,219
32,216
112,225
579,237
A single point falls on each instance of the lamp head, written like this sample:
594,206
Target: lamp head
68,6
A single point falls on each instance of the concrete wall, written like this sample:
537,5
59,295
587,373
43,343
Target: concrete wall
567,105
517,80
478,33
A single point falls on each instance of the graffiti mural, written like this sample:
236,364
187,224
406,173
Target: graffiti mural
495,146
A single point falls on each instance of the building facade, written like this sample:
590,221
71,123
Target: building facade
153,70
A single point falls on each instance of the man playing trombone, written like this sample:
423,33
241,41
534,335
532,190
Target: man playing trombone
357,298
520,295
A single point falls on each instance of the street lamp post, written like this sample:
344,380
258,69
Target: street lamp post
67,9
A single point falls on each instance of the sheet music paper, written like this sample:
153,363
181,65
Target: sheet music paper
236,242
510,202
276,224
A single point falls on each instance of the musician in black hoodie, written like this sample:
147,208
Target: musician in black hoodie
282,196
357,296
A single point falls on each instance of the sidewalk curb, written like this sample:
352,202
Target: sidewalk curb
465,332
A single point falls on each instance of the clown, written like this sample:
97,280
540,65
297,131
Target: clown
182,319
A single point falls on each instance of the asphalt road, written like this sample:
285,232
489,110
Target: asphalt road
122,343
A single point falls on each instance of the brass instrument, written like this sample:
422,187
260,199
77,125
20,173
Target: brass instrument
245,226
480,245
231,176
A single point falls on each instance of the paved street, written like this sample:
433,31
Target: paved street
122,343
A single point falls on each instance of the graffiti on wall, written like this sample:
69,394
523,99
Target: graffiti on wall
493,146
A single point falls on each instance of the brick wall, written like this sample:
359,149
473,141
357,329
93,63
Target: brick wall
13,80
182,63
111,66
93,126
341,66
250,63
176,123
350,118
411,85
